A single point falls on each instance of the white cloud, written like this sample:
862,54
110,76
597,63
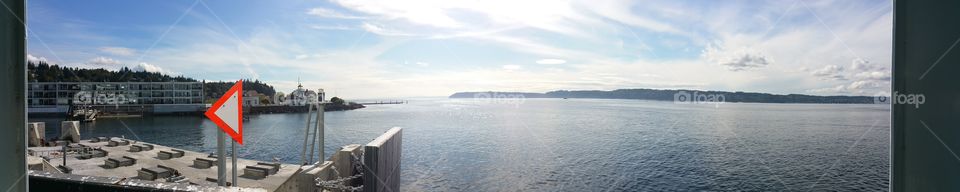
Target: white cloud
119,51
337,27
329,13
735,60
148,68
830,71
867,84
884,75
861,64
830,90
866,77
528,45
34,59
865,70
446,17
511,67
551,61
431,12
380,30
103,62
858,87
417,63
623,11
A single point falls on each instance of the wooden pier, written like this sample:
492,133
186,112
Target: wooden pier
384,102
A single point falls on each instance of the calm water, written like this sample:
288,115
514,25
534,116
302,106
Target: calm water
579,144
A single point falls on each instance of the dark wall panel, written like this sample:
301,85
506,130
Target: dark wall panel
12,103
927,63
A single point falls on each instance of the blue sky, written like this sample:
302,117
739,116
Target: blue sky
383,48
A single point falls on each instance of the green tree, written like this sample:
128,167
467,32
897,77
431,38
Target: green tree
337,101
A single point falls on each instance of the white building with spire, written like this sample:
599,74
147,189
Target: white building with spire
301,96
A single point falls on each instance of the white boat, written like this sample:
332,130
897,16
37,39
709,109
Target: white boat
84,114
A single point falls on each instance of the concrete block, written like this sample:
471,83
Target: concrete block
269,170
304,180
204,163
255,173
274,167
36,134
100,153
111,163
164,155
70,130
114,143
129,161
140,147
177,153
99,139
34,163
154,173
343,161
115,162
75,147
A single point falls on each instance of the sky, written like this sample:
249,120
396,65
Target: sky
387,48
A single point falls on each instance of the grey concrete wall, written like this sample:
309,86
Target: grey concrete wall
13,119
303,180
344,162
926,139
382,159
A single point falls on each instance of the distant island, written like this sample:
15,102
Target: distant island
672,95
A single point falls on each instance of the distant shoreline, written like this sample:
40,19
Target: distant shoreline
676,95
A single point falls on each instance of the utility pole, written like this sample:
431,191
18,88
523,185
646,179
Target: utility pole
320,126
64,156
233,147
221,162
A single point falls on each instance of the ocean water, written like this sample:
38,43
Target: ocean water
577,144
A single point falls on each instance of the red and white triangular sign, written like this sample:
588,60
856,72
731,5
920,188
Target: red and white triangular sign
227,112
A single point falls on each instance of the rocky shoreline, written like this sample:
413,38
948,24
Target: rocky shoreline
342,107
269,109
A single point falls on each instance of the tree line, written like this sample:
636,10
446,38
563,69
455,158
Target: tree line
43,72
216,89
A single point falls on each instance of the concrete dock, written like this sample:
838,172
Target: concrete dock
151,159
117,164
